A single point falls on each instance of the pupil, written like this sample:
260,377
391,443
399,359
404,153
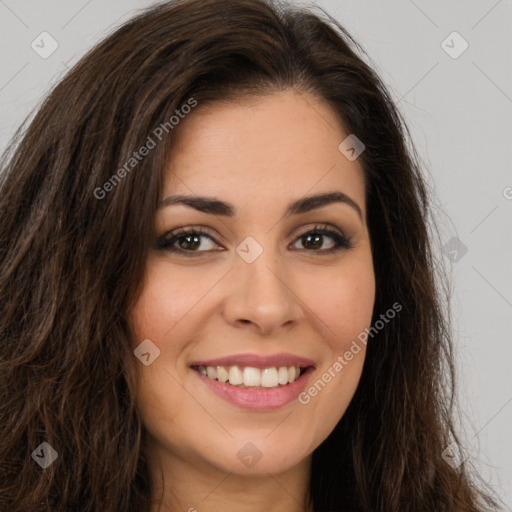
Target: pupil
195,244
310,240
315,238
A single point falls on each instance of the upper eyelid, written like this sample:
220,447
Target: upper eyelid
204,231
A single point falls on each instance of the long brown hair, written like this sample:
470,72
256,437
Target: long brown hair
73,252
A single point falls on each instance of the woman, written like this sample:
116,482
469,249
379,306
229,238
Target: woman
218,285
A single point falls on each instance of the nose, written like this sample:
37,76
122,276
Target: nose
261,295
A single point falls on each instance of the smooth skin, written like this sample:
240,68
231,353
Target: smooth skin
260,155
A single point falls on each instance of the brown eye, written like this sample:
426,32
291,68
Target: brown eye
313,240
185,241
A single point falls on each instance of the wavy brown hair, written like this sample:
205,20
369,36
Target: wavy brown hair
71,264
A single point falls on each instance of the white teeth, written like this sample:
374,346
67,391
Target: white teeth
282,375
222,374
269,378
235,376
250,377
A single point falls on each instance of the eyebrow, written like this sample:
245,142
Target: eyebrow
214,206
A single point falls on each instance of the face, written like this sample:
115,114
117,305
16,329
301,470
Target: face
254,288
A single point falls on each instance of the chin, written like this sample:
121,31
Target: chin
259,454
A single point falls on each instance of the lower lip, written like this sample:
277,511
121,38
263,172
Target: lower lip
258,399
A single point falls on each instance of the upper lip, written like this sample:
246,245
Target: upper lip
257,361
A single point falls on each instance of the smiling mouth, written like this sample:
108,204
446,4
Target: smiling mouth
249,377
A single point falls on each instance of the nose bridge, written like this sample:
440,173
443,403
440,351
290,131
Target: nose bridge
265,276
262,291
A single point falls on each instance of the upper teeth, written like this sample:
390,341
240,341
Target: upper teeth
250,376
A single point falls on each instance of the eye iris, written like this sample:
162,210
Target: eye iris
192,245
315,238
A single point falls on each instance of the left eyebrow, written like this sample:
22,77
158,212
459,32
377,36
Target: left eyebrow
214,206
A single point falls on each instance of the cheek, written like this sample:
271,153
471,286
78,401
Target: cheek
161,318
166,299
345,308
158,316
343,300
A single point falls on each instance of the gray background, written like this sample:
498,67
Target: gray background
459,111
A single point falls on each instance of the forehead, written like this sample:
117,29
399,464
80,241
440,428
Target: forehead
274,147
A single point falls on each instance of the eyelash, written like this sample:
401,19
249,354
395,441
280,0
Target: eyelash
167,241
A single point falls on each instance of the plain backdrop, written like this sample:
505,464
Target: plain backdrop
455,91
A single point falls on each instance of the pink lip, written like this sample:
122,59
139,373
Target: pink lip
257,361
258,399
